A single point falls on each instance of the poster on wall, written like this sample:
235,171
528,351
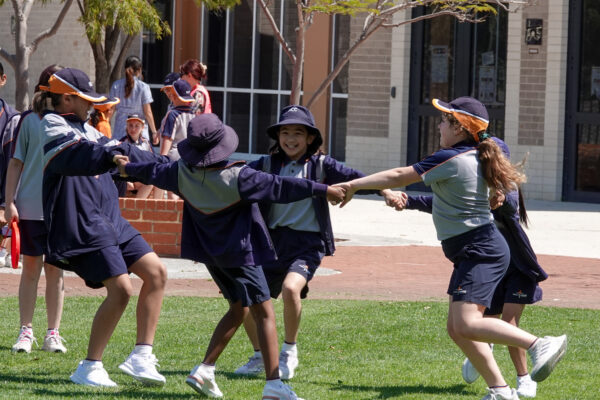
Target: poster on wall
595,82
439,64
487,84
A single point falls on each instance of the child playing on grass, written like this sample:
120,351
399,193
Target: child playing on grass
222,228
461,174
301,231
520,284
86,232
24,205
135,124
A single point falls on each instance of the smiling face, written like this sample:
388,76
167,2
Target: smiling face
294,140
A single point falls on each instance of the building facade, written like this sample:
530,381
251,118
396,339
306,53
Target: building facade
537,71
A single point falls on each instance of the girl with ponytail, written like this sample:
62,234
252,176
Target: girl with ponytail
136,98
462,174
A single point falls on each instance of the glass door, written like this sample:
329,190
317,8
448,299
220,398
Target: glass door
451,59
581,180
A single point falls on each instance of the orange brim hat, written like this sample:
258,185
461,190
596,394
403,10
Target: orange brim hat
135,117
106,105
74,82
470,112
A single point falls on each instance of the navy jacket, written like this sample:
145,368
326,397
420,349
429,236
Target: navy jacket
222,224
333,172
9,118
506,218
81,205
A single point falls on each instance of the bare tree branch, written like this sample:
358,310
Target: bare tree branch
49,32
10,58
284,44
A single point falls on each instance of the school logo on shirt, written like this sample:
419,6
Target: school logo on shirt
519,294
304,267
459,290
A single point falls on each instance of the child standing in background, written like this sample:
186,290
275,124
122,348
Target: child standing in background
193,72
222,228
135,124
24,205
173,128
100,118
301,231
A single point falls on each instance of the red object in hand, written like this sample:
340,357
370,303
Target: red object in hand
15,244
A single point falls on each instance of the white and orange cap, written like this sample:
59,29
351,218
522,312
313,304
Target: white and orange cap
106,105
470,112
135,117
75,82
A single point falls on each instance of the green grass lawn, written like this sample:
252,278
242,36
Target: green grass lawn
347,349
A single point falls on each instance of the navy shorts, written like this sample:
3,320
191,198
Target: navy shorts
297,251
246,284
481,257
516,288
97,266
34,237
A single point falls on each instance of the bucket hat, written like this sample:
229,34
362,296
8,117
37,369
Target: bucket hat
300,115
208,141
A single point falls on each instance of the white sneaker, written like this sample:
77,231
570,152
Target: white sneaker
24,341
545,354
202,380
288,362
277,390
494,394
526,387
469,373
254,366
92,373
3,261
142,367
53,342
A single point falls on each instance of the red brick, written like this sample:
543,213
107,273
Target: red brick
130,204
180,205
161,238
149,215
166,227
161,204
166,250
142,226
131,215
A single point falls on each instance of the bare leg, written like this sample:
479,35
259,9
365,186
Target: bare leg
30,276
55,294
511,313
250,328
292,305
223,332
154,275
264,316
118,292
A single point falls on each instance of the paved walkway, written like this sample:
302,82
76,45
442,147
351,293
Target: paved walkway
389,255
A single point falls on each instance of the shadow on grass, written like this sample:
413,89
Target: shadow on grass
98,393
38,378
386,392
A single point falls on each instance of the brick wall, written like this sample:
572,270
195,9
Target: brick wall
159,221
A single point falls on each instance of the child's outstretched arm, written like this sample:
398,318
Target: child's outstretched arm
162,175
391,178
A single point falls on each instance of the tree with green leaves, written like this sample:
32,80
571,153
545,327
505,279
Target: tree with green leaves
377,14
111,26
19,60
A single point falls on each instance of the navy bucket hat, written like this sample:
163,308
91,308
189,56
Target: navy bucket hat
208,141
300,115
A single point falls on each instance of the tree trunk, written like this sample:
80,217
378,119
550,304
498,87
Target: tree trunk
21,61
298,69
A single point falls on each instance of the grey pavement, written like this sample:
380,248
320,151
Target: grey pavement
556,228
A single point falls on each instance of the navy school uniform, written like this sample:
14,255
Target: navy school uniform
301,251
520,284
222,226
9,119
81,205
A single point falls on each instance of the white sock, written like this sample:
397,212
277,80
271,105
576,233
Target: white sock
142,349
208,368
3,252
257,354
92,362
524,378
289,348
274,381
504,391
